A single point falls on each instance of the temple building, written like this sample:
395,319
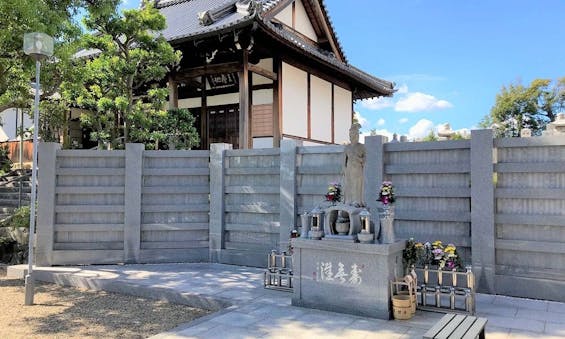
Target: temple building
254,72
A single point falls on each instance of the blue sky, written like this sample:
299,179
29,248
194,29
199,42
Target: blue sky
448,58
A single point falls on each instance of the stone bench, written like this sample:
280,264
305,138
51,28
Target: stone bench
458,326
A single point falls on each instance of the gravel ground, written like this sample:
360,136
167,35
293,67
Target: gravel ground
65,312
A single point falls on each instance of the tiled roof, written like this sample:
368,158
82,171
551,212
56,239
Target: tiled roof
385,87
183,18
183,23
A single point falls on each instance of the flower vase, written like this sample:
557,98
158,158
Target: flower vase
386,216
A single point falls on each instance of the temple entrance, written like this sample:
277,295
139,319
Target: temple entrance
223,122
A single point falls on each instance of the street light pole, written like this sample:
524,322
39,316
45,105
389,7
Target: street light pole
29,282
37,45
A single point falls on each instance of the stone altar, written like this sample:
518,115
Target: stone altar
348,213
345,277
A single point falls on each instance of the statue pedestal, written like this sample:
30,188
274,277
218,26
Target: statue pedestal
345,277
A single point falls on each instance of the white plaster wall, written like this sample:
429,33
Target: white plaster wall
261,80
260,97
342,114
266,142
303,24
285,16
190,103
216,100
294,101
263,97
320,109
8,128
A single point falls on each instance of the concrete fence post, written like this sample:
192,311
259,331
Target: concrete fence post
217,205
373,174
287,191
482,210
46,197
132,204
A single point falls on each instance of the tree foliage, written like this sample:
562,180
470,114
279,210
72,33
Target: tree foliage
518,106
18,17
172,129
120,82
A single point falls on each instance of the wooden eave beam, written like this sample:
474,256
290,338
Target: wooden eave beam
263,72
328,31
189,74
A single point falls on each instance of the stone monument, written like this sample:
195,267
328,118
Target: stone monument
445,132
353,168
556,127
338,273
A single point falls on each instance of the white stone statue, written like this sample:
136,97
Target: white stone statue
556,127
353,168
445,132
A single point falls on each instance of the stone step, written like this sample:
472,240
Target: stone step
10,203
14,195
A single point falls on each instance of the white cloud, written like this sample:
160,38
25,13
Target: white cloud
376,104
421,129
381,122
403,121
361,119
418,101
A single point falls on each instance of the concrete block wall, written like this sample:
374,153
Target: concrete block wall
501,201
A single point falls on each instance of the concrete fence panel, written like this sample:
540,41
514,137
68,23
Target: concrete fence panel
88,195
316,167
433,191
174,206
251,204
530,217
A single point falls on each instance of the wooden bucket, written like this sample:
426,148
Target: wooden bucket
402,306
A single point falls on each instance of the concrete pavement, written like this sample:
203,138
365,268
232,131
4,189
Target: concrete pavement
244,309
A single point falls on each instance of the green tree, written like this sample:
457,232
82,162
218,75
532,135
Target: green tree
174,128
18,17
518,106
431,137
131,59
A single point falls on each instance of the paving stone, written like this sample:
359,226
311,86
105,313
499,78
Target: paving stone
424,320
230,332
496,332
518,334
543,316
481,298
284,312
236,319
540,305
414,333
517,324
555,329
261,313
553,306
498,310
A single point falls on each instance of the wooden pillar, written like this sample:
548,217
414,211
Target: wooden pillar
173,93
277,102
243,73
250,121
204,128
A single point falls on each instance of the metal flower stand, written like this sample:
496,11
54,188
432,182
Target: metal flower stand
278,275
440,290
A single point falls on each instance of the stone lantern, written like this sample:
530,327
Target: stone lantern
365,236
316,229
